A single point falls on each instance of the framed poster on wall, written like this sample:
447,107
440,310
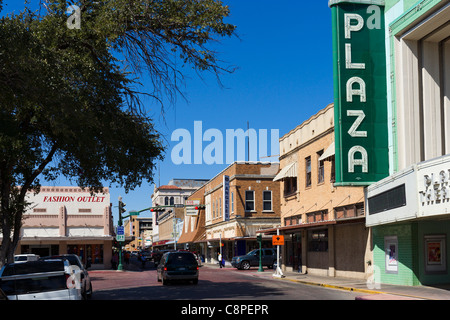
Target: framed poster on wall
435,254
391,254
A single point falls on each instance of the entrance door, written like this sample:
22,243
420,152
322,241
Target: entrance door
297,248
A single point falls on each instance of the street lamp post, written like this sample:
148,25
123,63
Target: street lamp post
120,224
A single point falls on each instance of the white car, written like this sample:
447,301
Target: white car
39,280
25,258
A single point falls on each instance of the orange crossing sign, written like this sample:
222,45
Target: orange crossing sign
278,240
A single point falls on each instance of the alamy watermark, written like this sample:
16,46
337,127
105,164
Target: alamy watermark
221,148
74,20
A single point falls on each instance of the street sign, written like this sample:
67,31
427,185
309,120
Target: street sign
120,230
134,213
192,202
120,237
278,240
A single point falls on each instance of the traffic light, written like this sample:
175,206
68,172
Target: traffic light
259,238
122,207
200,206
157,209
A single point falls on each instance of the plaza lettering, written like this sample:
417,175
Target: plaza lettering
356,86
360,92
73,199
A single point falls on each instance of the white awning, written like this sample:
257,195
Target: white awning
289,171
329,152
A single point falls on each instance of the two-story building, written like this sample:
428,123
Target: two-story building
239,201
64,220
323,225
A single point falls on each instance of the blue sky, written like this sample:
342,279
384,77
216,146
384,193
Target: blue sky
284,76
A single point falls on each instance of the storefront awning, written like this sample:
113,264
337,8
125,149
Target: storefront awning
329,152
287,172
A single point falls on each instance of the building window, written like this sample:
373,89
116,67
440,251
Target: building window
290,186
318,240
267,200
317,216
166,201
249,200
220,207
350,211
172,201
214,209
320,168
308,171
293,220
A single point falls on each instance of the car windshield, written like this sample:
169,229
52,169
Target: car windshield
181,259
20,258
253,252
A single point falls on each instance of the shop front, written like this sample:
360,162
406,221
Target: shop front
409,214
69,220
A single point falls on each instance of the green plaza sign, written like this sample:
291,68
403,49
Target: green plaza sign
360,94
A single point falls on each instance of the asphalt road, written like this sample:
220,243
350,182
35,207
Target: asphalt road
214,284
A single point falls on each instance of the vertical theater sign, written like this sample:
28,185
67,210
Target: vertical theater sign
360,94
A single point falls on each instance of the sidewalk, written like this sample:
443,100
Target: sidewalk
368,292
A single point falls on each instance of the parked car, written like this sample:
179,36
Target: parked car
177,265
38,280
85,280
251,259
25,257
145,255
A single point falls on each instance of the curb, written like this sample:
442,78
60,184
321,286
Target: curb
331,286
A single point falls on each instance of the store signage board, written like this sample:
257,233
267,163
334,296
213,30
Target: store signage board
360,92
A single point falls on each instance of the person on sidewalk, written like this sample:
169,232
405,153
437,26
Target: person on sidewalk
220,260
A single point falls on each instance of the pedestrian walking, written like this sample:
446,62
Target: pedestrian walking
127,257
115,260
220,260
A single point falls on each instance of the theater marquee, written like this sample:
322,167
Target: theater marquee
360,98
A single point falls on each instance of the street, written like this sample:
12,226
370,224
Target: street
214,284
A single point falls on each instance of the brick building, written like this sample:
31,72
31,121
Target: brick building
323,225
253,204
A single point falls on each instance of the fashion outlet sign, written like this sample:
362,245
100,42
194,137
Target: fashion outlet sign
360,102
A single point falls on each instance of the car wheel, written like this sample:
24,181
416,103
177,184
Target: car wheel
245,265
89,294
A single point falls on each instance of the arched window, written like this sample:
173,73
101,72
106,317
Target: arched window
172,201
166,201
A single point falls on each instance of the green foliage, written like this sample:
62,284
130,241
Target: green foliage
69,106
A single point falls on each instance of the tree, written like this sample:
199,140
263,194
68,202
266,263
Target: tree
69,98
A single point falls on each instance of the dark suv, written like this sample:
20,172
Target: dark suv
178,265
251,259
